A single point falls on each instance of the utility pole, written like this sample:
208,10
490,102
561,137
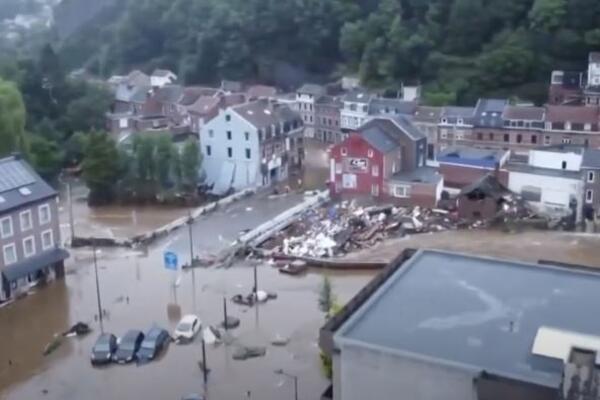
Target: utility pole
98,290
71,219
191,238
225,323
255,283
204,366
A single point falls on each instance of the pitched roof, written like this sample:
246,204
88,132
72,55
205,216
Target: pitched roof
358,96
591,159
379,139
263,113
329,100
20,184
383,132
163,73
132,94
231,86
580,114
488,112
526,113
454,111
137,78
261,91
169,94
427,114
203,105
311,88
394,106
192,93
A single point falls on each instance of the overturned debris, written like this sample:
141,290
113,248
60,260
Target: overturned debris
246,352
79,329
230,322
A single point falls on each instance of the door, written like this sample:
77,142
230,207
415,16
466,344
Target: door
375,190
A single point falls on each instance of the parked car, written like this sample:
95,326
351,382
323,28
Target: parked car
154,341
128,347
103,349
192,397
188,327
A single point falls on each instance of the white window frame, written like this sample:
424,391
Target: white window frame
547,140
12,231
404,194
589,196
14,249
25,228
375,170
370,153
51,234
344,151
40,213
591,176
27,240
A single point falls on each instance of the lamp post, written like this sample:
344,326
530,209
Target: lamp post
294,377
98,290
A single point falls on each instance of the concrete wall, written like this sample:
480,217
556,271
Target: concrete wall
247,171
555,160
368,374
556,191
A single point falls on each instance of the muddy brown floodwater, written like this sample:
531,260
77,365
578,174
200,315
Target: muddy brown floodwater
137,292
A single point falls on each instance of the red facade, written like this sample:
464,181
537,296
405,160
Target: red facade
359,167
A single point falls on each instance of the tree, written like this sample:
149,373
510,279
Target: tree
466,27
75,148
101,168
548,15
164,159
326,296
190,164
12,119
87,112
46,157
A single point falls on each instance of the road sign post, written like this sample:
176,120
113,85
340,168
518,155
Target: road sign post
170,259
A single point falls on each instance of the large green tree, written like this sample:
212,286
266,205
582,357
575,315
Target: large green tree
12,119
101,168
190,164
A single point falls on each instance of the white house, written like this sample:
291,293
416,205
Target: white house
162,77
551,180
355,111
246,145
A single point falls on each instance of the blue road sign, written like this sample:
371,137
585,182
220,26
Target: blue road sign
170,260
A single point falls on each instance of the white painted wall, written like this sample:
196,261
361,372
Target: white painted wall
350,119
594,74
554,160
368,374
247,170
160,81
556,191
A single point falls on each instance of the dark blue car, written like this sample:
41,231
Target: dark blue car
155,341
128,347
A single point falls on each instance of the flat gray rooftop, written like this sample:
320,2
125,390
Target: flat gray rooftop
476,313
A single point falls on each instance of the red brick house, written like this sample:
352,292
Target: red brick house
385,159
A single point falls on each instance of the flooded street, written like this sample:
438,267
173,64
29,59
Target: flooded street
137,292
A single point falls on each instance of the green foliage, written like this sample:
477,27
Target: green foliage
326,296
46,157
12,119
101,168
190,164
548,15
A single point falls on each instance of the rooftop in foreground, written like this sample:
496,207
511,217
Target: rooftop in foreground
476,313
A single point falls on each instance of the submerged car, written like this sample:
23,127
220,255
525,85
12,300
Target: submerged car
154,342
188,327
128,347
103,349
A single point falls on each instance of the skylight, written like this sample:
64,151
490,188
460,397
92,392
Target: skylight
25,191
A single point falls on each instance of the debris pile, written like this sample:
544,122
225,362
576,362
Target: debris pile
341,228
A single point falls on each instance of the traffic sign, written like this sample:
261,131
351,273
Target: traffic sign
170,260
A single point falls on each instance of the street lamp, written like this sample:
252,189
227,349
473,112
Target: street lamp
294,377
98,289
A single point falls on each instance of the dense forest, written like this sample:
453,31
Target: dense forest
459,49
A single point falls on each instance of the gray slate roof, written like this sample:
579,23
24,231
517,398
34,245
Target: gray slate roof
475,313
383,106
419,175
591,159
488,113
311,88
262,113
382,132
379,139
132,94
20,184
169,94
427,114
525,113
358,96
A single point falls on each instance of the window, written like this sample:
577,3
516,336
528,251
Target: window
228,118
365,108
247,136
375,170
208,150
519,138
564,165
375,189
444,134
531,193
10,254
229,152
6,228
338,168
491,135
228,135
506,137
344,151
444,121
248,154
479,136
402,191
29,246
47,239
25,218
589,196
533,139
211,133
310,119
591,176
44,214
547,140
566,140
460,121
370,153
558,126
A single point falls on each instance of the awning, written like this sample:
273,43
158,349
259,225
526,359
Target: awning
33,264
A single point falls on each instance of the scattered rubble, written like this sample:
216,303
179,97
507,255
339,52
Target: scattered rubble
230,322
54,344
79,329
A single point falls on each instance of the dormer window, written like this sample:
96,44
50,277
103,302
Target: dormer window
444,120
460,121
